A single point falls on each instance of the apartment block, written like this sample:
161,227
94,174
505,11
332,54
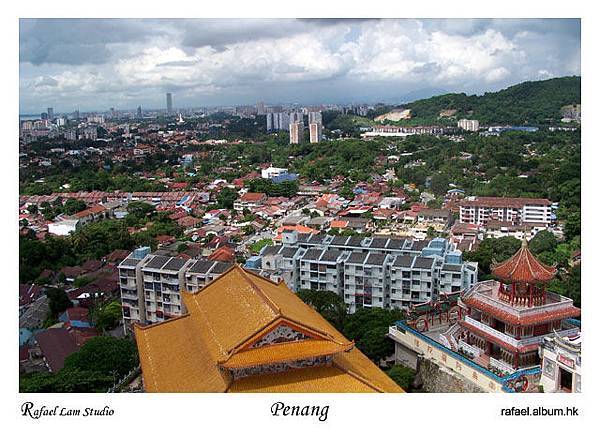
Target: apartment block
151,285
369,272
296,132
480,210
316,132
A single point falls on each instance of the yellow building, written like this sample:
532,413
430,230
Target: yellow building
245,333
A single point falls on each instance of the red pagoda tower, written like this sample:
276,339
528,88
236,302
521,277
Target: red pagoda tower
508,319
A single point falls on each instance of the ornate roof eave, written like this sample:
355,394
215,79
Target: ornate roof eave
523,258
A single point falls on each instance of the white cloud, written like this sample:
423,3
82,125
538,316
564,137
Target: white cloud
230,59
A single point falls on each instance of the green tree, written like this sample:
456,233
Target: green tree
226,198
543,241
329,304
58,301
105,354
106,316
403,376
369,327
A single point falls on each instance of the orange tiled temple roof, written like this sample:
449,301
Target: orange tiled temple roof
192,353
523,267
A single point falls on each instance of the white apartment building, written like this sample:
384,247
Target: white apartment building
469,125
151,285
315,117
369,272
480,210
269,173
296,132
316,132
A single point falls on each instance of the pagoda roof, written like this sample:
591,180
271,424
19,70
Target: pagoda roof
523,267
528,318
223,329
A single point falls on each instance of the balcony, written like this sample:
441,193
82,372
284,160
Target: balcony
534,340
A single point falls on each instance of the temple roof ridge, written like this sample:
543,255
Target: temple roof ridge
523,267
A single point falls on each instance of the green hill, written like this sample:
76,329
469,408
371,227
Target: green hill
526,103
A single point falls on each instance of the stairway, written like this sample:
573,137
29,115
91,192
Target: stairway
451,341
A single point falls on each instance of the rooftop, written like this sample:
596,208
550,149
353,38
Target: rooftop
228,328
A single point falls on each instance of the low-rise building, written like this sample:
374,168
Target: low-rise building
561,363
480,210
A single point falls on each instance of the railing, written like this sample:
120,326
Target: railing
512,341
540,339
562,302
501,366
127,378
486,328
462,345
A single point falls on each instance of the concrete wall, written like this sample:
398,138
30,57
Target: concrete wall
435,378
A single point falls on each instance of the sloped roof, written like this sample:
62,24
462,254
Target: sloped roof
523,267
191,353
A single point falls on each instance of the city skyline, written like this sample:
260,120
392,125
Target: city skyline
124,64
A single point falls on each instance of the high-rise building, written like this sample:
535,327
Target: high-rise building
278,121
260,108
315,117
316,131
296,132
169,103
296,117
50,113
270,117
139,112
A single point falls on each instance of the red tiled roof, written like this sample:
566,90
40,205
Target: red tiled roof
56,345
338,224
523,267
90,211
534,318
223,254
77,314
253,196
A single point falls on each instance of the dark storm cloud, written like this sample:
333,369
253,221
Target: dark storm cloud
75,41
218,33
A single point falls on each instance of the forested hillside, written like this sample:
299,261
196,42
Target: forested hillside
526,103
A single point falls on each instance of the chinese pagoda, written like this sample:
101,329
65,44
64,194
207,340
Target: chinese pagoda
507,320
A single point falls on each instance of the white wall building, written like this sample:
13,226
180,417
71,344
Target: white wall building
480,210
296,132
469,125
316,132
561,364
63,227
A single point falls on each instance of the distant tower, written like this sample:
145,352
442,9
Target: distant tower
139,112
169,103
260,108
296,132
315,117
316,131
50,113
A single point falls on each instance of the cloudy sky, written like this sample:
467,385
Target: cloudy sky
95,64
